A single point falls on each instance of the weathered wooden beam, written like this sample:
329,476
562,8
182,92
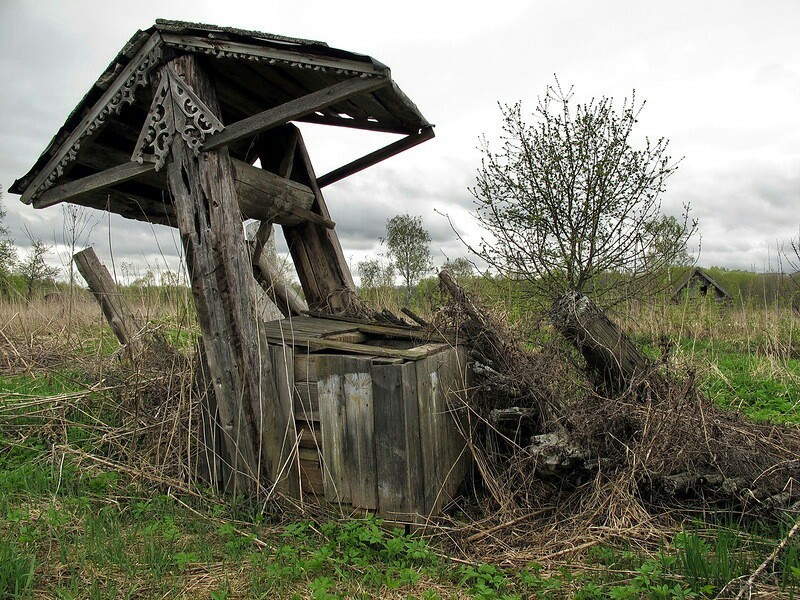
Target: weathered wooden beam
375,157
323,273
92,183
281,293
280,115
116,310
209,219
265,196
291,58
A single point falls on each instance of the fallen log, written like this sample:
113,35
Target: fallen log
610,354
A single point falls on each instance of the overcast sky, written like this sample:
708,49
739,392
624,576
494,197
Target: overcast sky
721,80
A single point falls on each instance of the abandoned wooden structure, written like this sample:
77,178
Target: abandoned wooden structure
169,134
697,283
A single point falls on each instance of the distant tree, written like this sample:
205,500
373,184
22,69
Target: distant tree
76,227
34,269
460,268
8,251
408,245
376,273
668,247
566,199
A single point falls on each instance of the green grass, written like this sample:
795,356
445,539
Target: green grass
75,530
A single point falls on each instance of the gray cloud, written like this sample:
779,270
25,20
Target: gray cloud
721,88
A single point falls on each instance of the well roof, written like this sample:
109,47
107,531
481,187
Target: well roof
254,71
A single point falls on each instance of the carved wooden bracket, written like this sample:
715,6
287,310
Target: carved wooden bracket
176,109
120,93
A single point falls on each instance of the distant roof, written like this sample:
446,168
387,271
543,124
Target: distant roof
698,271
254,72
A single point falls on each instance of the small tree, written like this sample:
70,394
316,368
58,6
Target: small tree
460,268
375,273
34,268
408,245
567,198
8,251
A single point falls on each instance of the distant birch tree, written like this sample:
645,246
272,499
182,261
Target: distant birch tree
408,245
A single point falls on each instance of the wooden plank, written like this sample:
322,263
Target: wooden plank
397,442
280,115
116,310
332,419
305,367
306,397
92,183
361,348
310,435
222,285
359,431
444,460
284,468
427,395
311,477
375,157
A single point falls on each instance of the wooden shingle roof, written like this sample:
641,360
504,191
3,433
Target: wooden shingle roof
253,72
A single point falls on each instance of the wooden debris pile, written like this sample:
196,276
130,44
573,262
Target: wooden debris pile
620,438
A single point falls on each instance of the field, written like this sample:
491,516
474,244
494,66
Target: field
95,501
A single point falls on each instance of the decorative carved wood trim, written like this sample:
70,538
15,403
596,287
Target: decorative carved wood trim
175,109
122,91
299,60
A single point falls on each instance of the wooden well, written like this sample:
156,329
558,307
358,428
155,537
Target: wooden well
351,412
376,414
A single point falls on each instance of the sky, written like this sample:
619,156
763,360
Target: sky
721,80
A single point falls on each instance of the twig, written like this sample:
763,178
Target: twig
773,555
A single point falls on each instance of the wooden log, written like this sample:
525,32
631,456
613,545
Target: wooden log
222,285
610,355
116,310
265,196
279,291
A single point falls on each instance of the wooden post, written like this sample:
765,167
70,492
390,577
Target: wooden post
202,186
323,272
265,269
116,310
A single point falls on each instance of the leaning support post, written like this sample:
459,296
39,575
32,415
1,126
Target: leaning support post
116,310
202,186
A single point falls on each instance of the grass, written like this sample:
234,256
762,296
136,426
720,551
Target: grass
72,528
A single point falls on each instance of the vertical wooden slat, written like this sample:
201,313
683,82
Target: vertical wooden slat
397,441
360,432
332,420
427,398
284,464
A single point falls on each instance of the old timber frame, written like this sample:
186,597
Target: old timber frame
169,134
